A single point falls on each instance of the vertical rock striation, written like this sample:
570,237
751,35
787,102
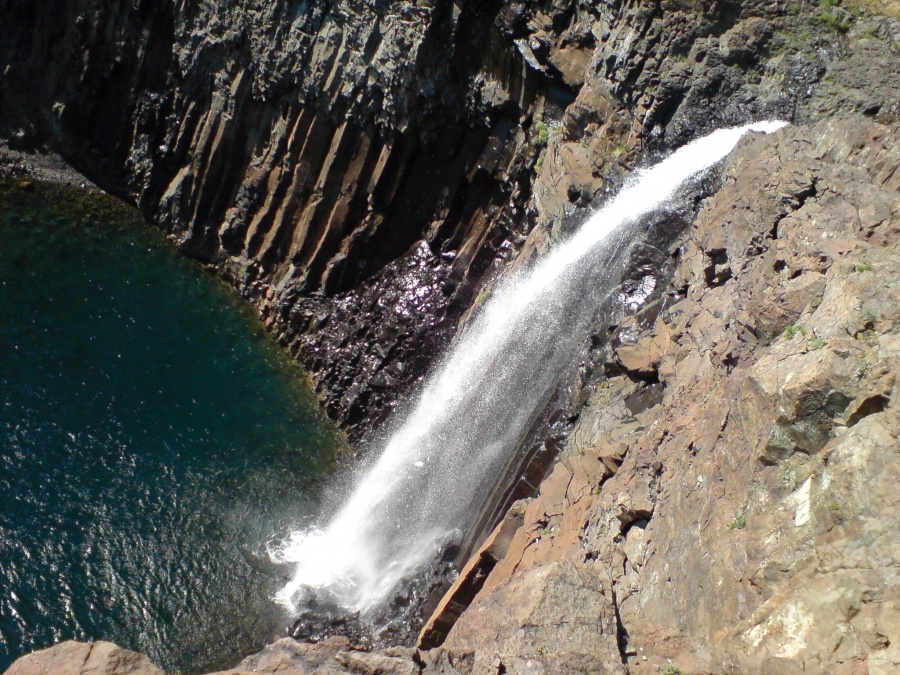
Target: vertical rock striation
305,149
355,169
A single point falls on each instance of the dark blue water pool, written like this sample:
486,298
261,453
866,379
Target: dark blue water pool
152,440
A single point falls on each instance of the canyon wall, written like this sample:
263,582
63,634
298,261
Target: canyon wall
358,169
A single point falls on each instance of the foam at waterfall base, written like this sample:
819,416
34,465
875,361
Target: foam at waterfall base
323,610
408,506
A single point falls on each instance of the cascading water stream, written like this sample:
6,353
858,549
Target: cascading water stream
477,406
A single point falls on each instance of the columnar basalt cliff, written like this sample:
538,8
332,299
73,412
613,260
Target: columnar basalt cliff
303,149
724,499
307,150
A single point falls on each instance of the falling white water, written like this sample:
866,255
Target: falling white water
477,405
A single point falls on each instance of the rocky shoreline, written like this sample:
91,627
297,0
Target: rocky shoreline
722,498
43,167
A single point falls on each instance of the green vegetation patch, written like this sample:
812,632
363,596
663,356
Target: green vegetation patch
542,132
889,8
672,669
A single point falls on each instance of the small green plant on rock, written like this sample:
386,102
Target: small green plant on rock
738,523
603,393
869,336
865,267
672,669
835,506
834,21
791,331
856,7
542,132
869,33
816,343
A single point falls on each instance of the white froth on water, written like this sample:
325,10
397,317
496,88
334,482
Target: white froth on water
476,407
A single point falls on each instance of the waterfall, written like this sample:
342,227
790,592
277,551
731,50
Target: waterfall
479,402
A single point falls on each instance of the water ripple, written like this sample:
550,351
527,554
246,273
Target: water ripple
151,440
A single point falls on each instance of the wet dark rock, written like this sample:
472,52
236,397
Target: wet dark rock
372,345
320,620
398,622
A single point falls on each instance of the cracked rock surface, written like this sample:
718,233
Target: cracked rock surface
746,520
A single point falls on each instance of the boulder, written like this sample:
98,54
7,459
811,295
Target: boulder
80,658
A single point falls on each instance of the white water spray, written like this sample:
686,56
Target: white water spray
476,407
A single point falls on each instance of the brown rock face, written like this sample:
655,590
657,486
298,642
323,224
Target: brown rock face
750,525
560,614
78,658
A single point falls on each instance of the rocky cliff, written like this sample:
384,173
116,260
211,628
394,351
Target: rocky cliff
306,150
725,497
355,168
740,516
743,523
